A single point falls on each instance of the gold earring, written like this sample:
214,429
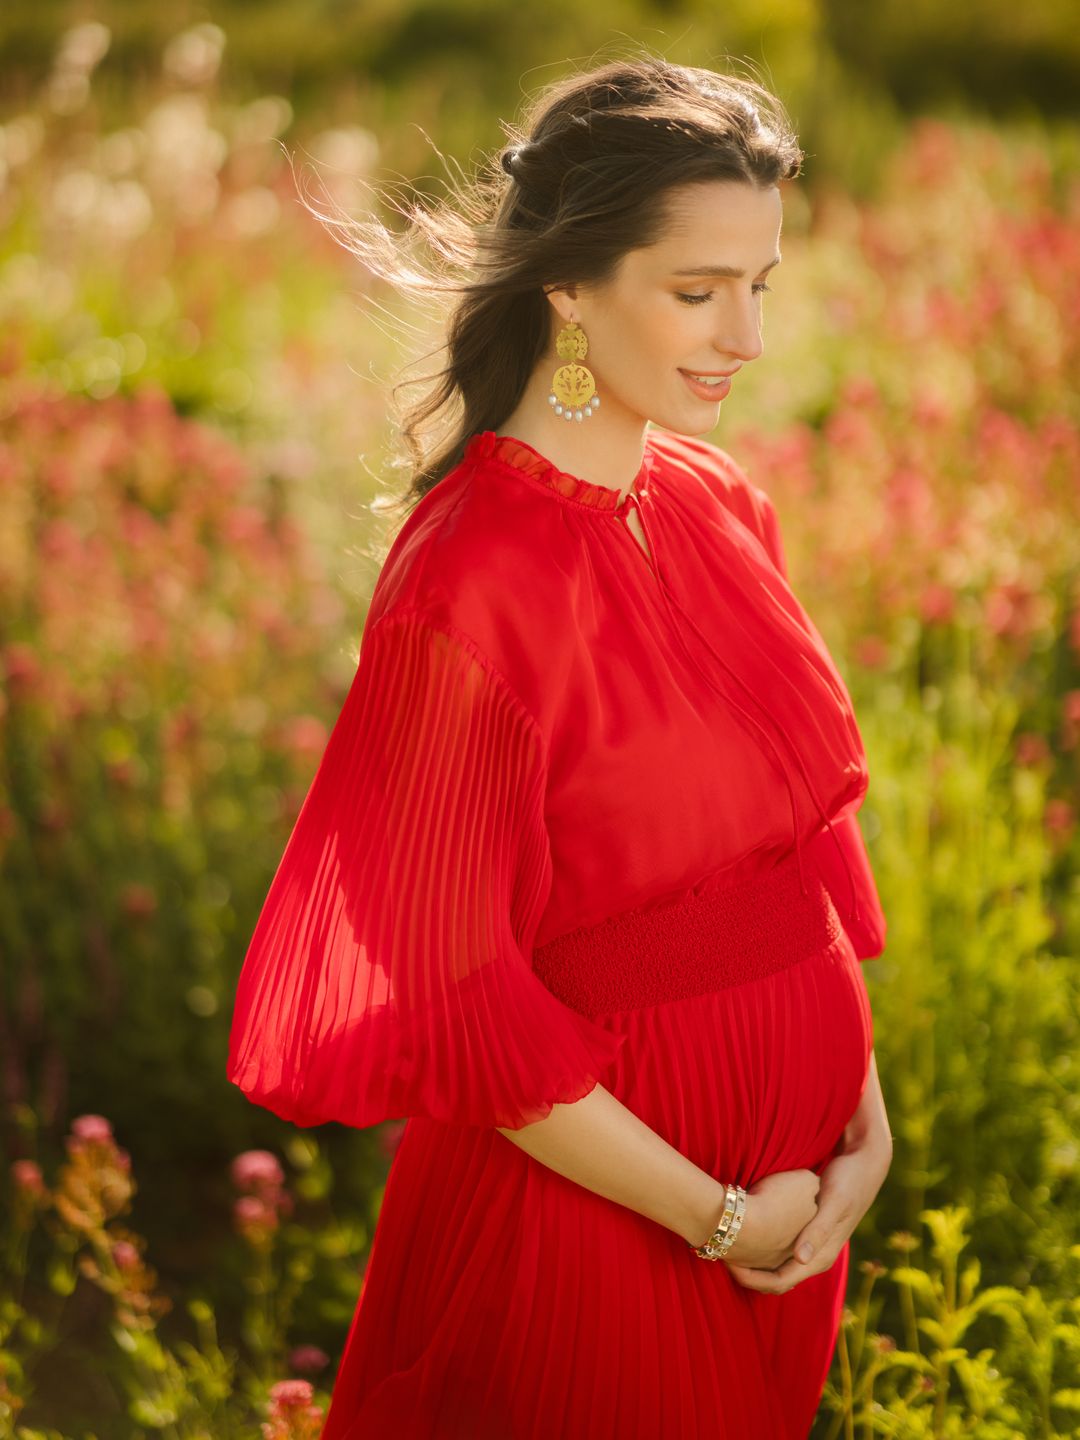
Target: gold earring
573,386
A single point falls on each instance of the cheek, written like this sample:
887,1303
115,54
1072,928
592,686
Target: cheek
662,332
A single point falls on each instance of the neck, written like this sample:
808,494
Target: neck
606,448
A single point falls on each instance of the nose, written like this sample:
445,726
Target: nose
740,331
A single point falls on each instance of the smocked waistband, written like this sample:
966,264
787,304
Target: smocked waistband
706,940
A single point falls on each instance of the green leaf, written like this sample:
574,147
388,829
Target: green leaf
61,1275
919,1281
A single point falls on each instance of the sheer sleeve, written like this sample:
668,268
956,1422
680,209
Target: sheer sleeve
867,926
867,929
389,971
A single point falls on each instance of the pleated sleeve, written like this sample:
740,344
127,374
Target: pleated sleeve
389,971
866,926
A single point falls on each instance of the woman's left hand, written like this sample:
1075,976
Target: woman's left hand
849,1185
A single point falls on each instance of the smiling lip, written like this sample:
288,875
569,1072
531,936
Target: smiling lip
713,393
711,373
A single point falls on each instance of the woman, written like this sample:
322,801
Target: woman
579,886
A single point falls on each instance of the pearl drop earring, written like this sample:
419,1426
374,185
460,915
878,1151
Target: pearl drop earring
573,386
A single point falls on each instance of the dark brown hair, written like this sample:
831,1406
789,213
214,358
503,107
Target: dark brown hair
579,185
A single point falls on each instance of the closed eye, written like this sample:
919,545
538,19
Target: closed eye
759,289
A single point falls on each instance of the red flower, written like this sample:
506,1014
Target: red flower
1031,749
1070,717
1059,818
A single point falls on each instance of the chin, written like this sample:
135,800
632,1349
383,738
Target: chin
690,430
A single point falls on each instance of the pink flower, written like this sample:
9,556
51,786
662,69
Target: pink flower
305,735
859,390
1031,749
937,602
21,667
308,1359
291,1394
26,1176
125,1256
94,1129
928,409
1010,609
1059,818
1070,716
256,1170
292,1415
243,525
872,652
909,494
255,1218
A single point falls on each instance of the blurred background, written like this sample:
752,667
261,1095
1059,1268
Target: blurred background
193,427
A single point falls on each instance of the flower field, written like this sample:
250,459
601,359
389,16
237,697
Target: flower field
192,429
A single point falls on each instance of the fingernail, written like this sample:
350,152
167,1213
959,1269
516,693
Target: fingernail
805,1252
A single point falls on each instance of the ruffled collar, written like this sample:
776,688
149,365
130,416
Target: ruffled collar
527,461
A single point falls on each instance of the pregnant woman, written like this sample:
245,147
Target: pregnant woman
578,888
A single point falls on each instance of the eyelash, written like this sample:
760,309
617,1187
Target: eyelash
700,299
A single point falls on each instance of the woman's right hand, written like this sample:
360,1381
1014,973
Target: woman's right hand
778,1209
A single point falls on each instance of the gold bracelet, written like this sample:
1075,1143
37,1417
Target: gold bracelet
736,1224
710,1249
723,1237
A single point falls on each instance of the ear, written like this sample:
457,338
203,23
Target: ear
562,302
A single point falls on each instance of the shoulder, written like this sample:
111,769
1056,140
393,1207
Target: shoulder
693,462
478,559
456,542
723,476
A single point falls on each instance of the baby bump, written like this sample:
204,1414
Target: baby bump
748,1023
758,1077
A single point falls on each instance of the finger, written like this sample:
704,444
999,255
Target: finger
794,1272
818,1234
765,1281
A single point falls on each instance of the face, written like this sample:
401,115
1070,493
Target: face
654,324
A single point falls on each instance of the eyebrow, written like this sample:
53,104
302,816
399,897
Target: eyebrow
728,272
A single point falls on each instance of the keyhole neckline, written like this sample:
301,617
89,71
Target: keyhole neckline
524,458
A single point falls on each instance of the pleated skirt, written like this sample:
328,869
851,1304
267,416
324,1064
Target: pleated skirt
502,1301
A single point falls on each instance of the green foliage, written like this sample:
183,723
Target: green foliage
848,69
186,1386
935,1385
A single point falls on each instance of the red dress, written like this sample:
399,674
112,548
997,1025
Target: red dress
586,815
